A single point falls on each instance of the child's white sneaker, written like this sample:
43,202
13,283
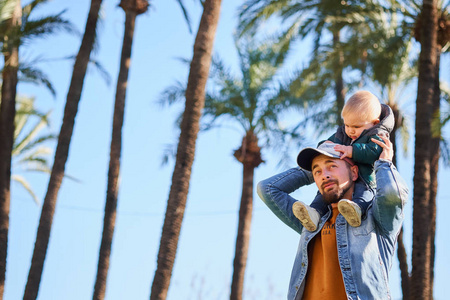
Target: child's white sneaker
351,212
308,216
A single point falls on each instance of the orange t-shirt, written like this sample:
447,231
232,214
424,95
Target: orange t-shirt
324,277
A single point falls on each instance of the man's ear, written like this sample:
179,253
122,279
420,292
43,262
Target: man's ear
354,170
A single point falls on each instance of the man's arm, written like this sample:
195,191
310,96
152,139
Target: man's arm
392,192
275,191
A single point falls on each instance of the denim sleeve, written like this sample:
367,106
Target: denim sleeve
275,191
391,197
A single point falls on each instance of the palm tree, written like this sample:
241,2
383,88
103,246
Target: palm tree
253,101
195,97
62,153
132,9
16,27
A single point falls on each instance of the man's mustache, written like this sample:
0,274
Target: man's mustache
328,182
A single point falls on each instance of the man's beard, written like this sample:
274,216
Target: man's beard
335,195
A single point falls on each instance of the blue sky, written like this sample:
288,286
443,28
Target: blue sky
203,266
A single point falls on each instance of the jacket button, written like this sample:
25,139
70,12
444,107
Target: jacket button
303,264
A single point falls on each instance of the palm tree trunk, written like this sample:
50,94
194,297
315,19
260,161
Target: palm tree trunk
195,101
7,115
243,234
132,9
434,166
421,255
401,250
61,154
249,154
403,264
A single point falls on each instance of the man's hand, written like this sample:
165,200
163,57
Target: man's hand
388,151
347,151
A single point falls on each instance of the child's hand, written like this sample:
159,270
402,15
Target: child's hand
347,151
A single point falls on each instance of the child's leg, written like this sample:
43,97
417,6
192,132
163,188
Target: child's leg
362,195
352,210
310,216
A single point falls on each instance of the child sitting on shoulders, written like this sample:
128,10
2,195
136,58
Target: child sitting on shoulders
364,118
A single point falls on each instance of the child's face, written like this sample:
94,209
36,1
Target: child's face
354,128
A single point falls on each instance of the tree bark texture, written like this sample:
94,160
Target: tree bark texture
131,11
195,100
249,154
435,154
61,154
421,254
7,115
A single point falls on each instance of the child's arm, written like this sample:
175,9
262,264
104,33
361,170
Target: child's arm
366,153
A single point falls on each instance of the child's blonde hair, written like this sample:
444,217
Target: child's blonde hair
363,106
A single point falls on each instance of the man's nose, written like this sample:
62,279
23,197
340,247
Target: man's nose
325,176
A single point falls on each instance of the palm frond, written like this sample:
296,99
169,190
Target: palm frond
44,27
98,66
28,73
29,152
169,154
101,70
24,183
185,14
6,9
173,94
254,12
22,139
445,152
38,141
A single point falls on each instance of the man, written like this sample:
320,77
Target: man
338,261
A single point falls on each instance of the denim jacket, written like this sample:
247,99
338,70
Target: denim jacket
365,252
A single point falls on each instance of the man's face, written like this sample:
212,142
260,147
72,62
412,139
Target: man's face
334,178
